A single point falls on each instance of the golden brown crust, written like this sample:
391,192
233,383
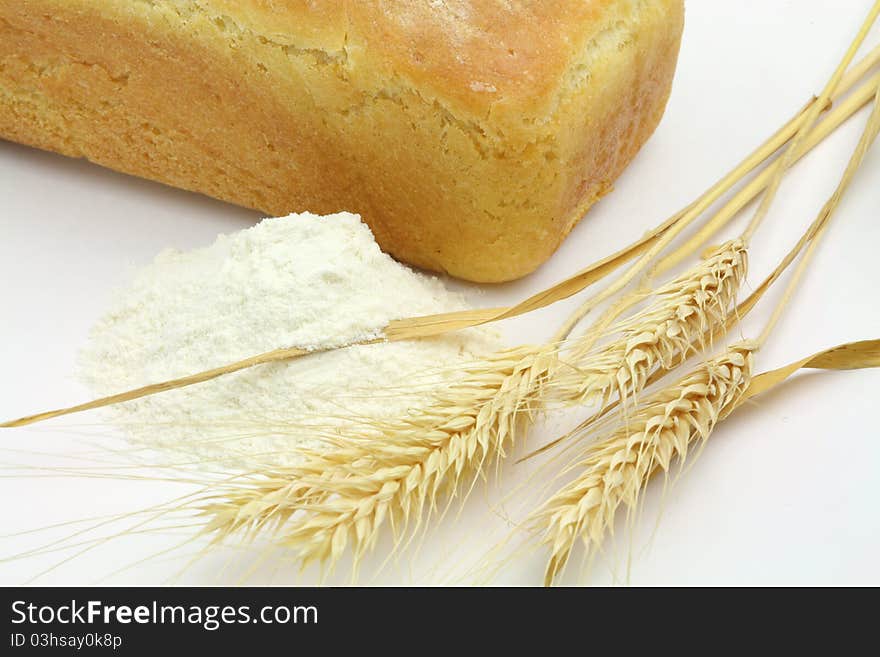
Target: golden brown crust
470,134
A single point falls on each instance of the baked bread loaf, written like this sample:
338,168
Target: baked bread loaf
471,135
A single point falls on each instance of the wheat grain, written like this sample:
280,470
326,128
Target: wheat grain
616,468
682,312
396,471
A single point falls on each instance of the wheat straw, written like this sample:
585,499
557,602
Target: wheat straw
617,468
858,99
789,155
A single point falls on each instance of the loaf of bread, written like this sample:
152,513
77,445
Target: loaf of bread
470,134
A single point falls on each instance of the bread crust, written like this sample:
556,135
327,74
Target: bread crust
470,134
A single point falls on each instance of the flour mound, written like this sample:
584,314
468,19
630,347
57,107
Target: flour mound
300,281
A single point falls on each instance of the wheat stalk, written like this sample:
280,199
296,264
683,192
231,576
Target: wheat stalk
614,470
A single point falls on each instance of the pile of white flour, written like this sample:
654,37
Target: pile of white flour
299,281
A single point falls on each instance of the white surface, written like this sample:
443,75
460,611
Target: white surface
784,493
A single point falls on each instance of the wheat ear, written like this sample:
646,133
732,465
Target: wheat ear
345,495
681,313
614,471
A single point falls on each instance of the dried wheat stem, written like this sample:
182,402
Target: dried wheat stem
767,181
789,155
617,468
744,196
614,470
869,135
617,353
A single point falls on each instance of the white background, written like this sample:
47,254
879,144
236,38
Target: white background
785,492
